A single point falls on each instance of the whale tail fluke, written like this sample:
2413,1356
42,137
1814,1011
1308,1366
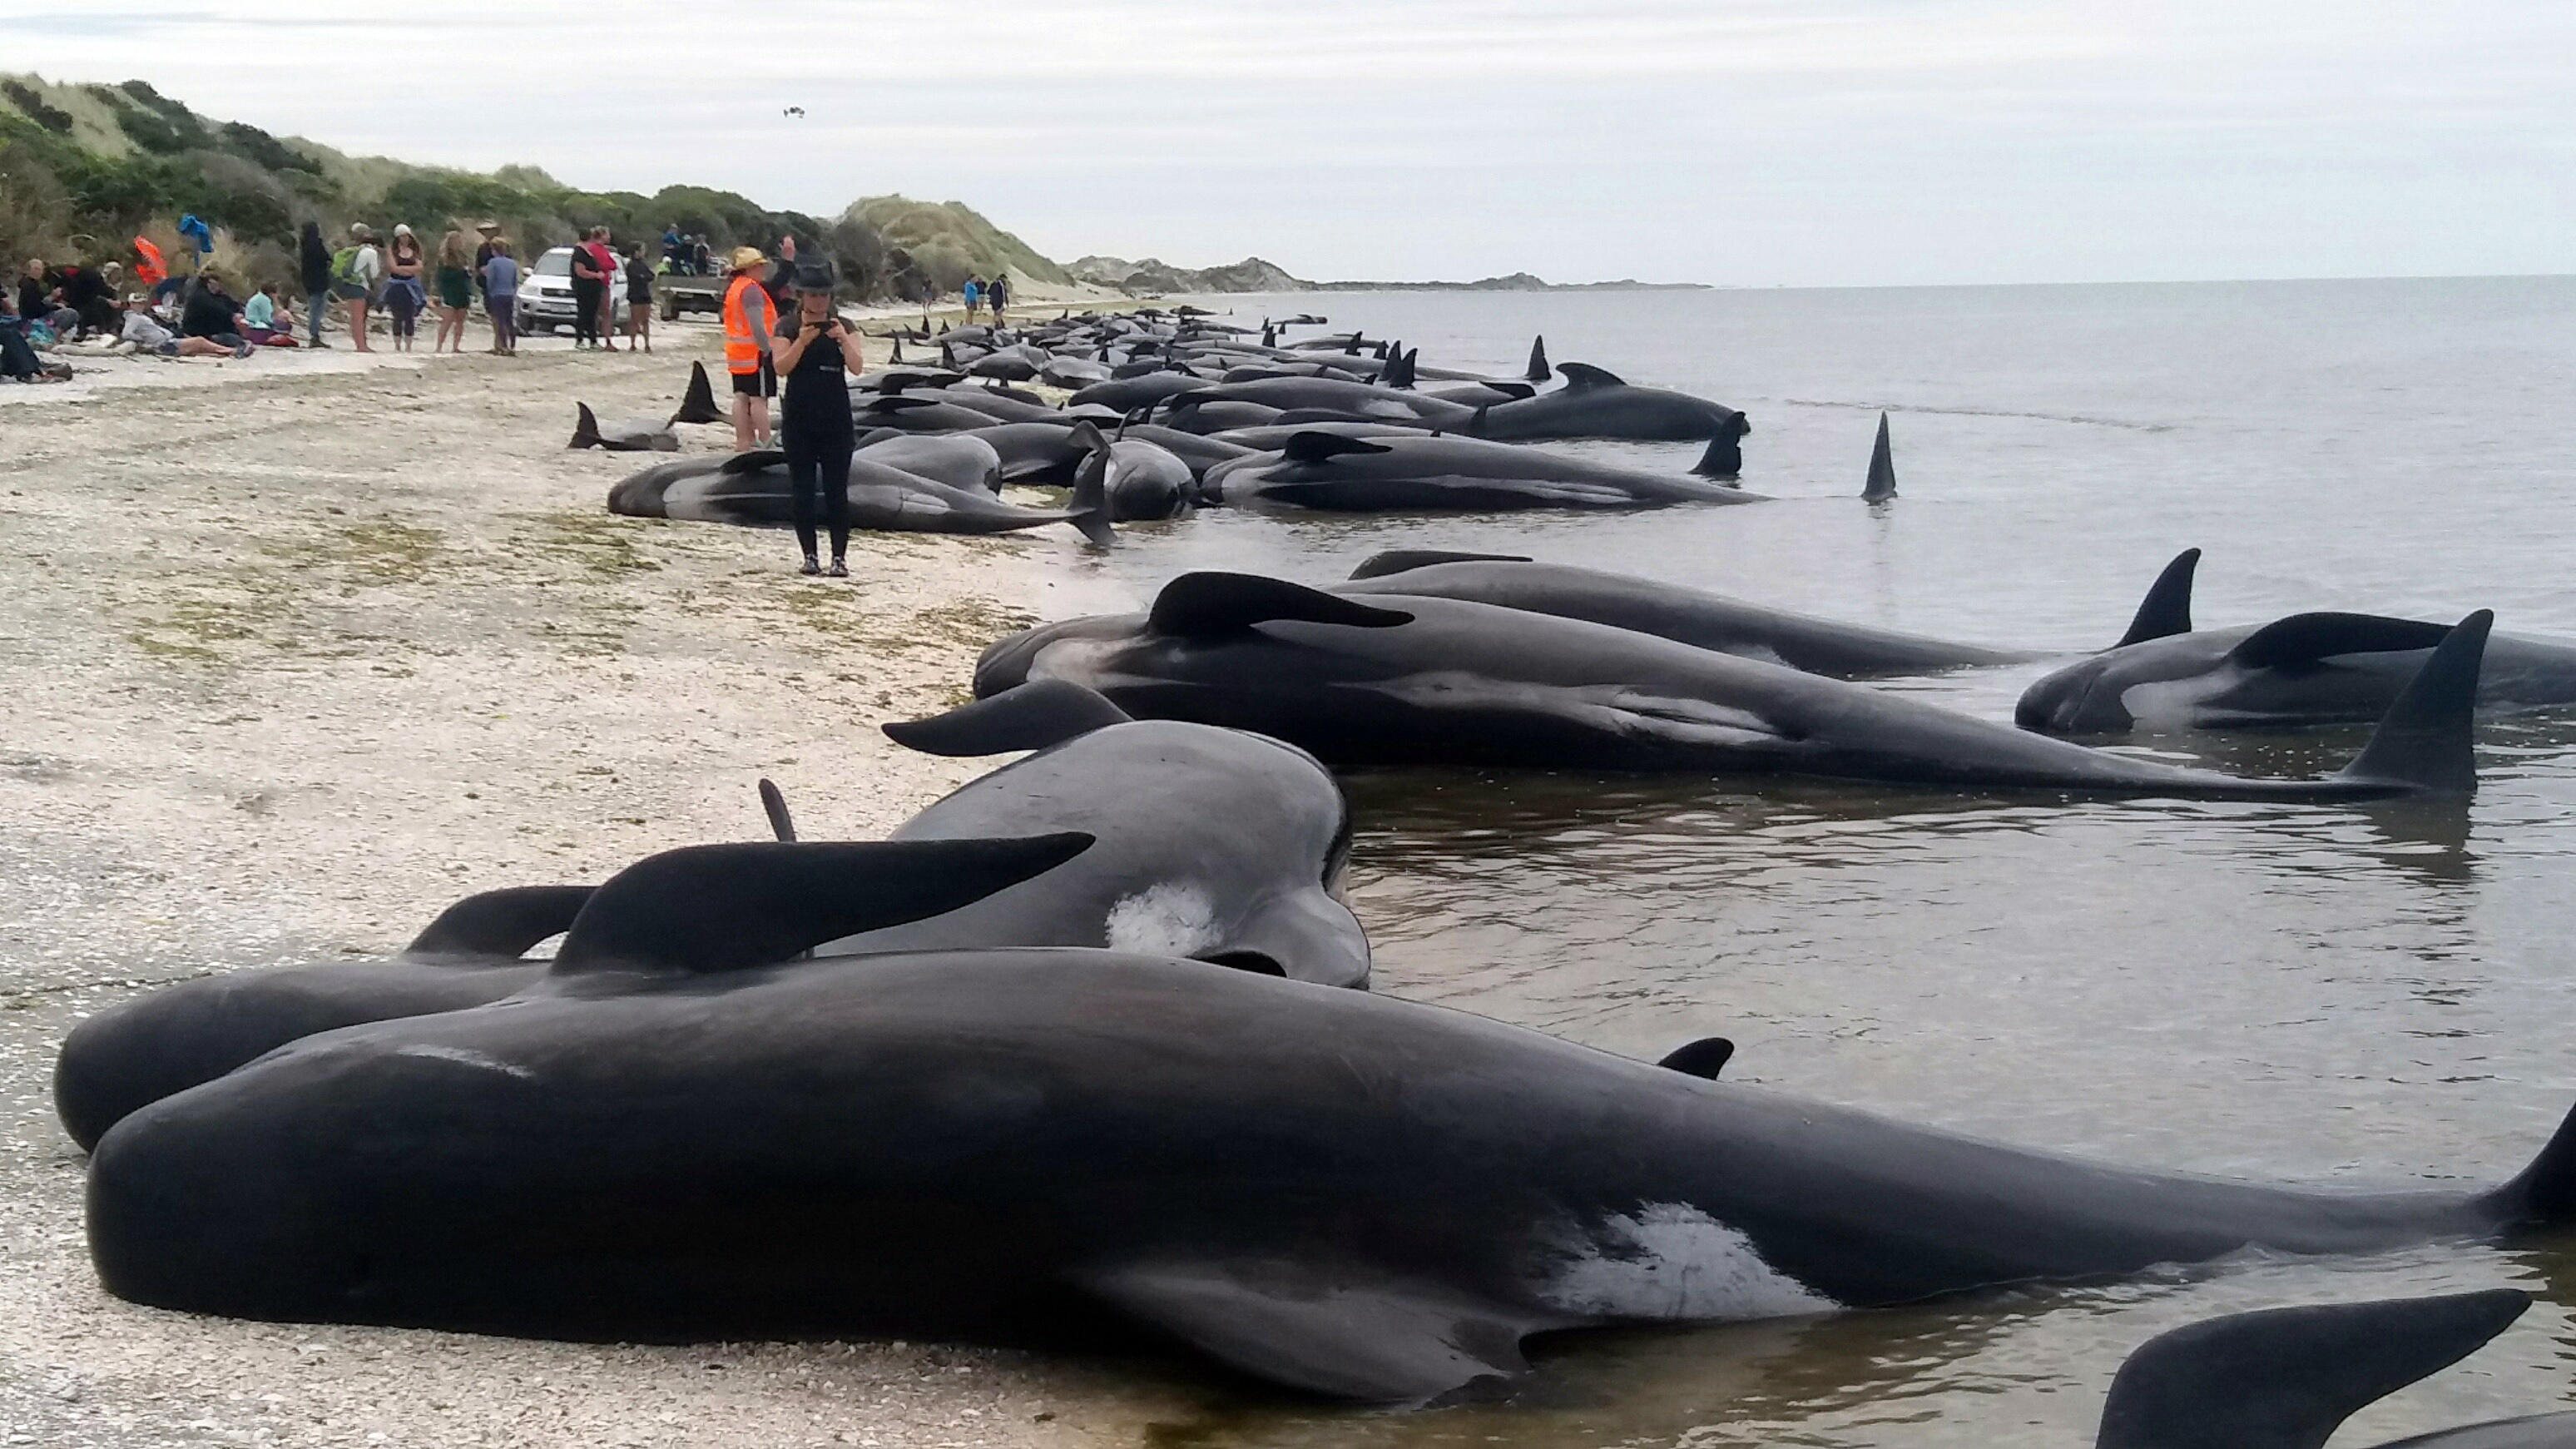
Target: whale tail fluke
500,923
707,909
2426,742
698,403
585,427
1538,370
2285,1378
1882,468
1090,505
2166,610
1030,716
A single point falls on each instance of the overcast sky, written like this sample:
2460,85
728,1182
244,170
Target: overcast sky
1743,142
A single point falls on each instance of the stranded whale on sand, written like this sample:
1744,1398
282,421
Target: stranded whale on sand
1344,1193
1330,470
1402,679
753,488
645,434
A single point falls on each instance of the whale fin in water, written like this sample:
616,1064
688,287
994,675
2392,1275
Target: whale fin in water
1724,458
1321,447
715,908
2285,1378
1400,560
1200,605
1378,1342
585,427
1582,376
1538,370
1881,485
1399,371
2304,639
1090,503
501,923
773,803
2427,740
2166,610
698,403
1029,716
1704,1058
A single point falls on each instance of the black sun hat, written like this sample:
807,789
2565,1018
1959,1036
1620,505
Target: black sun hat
813,277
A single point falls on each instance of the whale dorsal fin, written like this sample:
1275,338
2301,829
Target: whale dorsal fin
1537,369
753,461
713,908
2303,639
1704,1058
1880,485
2166,610
698,403
2427,742
773,803
1402,560
1318,447
2285,1378
1030,716
1370,1339
585,427
1582,375
1203,604
501,923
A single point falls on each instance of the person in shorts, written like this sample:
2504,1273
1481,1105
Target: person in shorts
749,320
639,299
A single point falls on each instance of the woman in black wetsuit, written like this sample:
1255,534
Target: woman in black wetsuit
817,355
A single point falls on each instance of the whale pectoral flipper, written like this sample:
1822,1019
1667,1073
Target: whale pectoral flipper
1378,1342
713,908
1029,716
2285,1378
2166,610
501,923
1208,603
1401,560
2305,639
1704,1058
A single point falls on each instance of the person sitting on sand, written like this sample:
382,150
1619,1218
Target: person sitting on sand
18,359
211,313
144,333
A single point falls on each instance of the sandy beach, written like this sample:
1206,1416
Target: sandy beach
299,649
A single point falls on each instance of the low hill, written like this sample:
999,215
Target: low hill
948,240
1154,277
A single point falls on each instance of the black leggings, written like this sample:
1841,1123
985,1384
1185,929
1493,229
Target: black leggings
586,297
820,464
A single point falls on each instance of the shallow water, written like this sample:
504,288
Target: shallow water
2364,995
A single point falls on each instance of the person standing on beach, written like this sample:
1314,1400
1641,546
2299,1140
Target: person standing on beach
501,298
589,290
455,291
973,292
354,275
748,321
997,295
405,296
639,299
781,285
313,263
817,353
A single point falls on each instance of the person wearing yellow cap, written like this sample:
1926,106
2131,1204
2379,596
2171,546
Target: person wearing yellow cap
749,319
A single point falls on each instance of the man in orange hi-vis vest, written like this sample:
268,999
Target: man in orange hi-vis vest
749,318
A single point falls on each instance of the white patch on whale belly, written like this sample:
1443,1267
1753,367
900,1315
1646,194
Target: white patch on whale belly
467,1056
1671,1261
1167,918
2170,704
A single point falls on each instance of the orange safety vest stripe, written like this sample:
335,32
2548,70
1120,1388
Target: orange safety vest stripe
149,270
742,354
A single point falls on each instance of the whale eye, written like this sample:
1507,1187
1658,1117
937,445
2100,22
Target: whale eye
1252,961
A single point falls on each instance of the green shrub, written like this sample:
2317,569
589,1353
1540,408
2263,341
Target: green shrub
51,118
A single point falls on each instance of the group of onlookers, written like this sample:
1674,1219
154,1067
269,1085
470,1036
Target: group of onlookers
981,294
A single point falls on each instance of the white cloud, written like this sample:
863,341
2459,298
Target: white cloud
1836,141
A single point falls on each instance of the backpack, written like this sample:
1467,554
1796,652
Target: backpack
344,265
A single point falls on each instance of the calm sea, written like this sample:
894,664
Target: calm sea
2367,996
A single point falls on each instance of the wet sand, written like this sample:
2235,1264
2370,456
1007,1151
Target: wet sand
296,651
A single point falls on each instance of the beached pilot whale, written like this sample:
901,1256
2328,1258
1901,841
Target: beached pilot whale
1403,679
1345,1193
1598,404
2305,669
1210,844
1689,616
2286,1378
645,434
1141,480
753,488
960,460
137,1052
1329,470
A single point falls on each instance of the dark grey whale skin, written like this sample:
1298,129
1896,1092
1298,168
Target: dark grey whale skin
2307,669
1598,404
137,1052
753,489
1422,472
1687,616
1344,1193
1400,679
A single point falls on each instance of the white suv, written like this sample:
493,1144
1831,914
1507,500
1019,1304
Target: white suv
545,298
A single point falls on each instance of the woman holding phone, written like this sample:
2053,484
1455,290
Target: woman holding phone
817,355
